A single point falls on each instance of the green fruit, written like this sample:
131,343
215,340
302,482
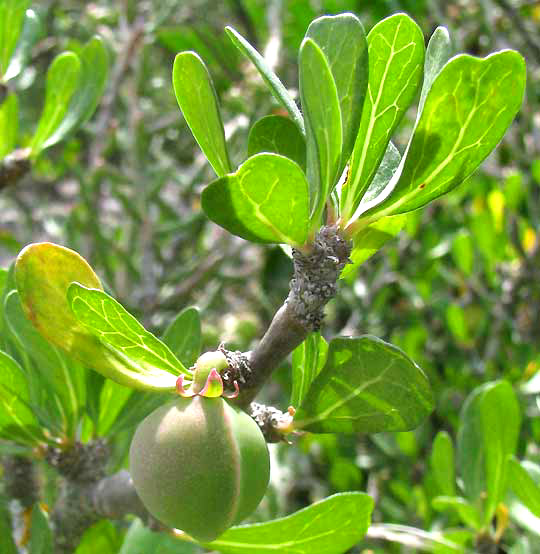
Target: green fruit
199,465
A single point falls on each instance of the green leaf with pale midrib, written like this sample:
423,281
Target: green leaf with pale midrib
270,78
198,101
330,526
467,111
396,47
107,319
343,41
366,386
266,201
322,113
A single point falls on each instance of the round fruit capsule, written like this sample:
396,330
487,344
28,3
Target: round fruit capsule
199,465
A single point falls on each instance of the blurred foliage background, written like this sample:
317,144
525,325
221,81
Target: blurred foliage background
458,290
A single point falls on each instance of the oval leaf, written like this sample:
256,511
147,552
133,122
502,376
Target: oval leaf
330,526
320,103
43,273
94,70
467,111
62,82
9,124
523,485
343,41
266,200
277,134
396,60
198,101
366,386
115,327
11,23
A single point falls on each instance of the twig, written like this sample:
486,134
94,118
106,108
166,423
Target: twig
14,166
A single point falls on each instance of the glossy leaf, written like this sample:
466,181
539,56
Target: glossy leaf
442,463
366,386
63,378
396,59
183,336
330,526
490,423
94,71
343,42
320,103
467,111
278,134
112,399
198,101
523,485
43,274
32,30
104,317
270,78
266,200
63,78
11,22
500,416
370,239
9,124
307,361
17,419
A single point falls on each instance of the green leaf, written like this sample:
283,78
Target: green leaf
266,200
7,544
490,422
94,71
183,336
467,111
104,317
343,41
103,537
112,399
63,79
366,386
17,419
269,77
63,378
198,101
396,58
308,359
462,251
438,52
330,526
320,103
43,273
41,539
442,463
11,22
370,239
278,134
465,510
9,124
501,419
523,485
31,32
141,540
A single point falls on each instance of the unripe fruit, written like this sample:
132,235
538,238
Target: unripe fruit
199,465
